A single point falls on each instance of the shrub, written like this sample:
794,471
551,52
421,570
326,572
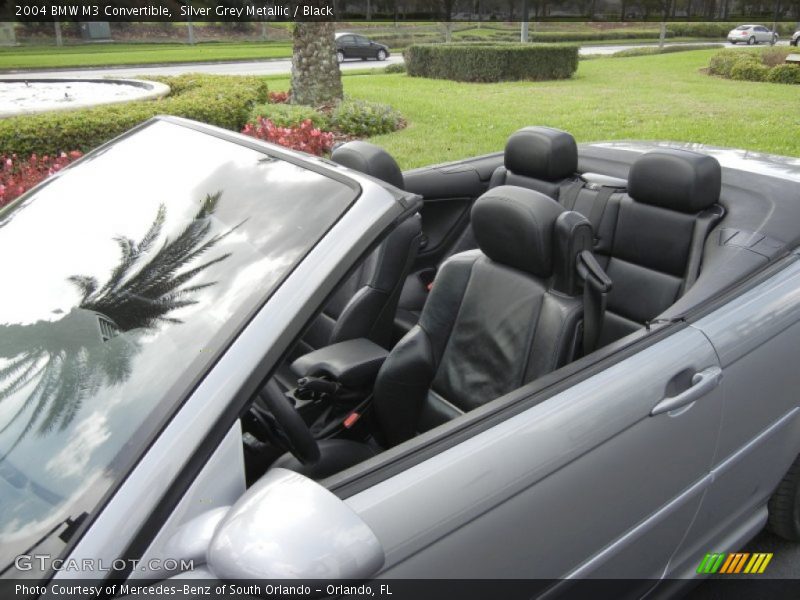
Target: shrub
749,70
784,74
395,68
492,62
18,176
304,137
722,62
288,115
363,119
772,57
216,99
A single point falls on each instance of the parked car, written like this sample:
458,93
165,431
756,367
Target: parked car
795,38
352,45
752,34
258,364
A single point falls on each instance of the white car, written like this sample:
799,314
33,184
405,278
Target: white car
752,34
795,38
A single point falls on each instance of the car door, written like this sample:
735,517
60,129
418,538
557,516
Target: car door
592,482
755,337
762,34
347,46
362,47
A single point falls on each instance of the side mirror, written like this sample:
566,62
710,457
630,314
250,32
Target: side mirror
287,526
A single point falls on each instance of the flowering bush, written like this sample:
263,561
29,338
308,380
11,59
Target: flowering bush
17,176
304,137
278,97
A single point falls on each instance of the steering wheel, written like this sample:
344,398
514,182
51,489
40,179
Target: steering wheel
286,429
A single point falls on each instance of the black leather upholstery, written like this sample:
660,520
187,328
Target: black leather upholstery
515,228
647,241
370,159
677,179
353,363
538,158
491,323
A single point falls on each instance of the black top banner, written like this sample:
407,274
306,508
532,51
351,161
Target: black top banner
397,10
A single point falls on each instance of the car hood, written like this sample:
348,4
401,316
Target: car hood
784,167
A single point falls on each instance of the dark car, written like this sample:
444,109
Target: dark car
351,45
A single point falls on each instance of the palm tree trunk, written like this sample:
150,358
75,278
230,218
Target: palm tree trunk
316,78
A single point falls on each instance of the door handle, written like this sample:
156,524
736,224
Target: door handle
702,383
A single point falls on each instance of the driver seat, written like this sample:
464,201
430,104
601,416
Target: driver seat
497,318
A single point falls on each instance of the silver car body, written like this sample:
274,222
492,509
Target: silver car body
752,34
573,476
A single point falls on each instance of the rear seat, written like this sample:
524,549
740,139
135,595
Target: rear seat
542,159
649,230
650,240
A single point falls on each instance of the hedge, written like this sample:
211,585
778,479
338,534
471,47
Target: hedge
747,65
492,62
215,99
784,74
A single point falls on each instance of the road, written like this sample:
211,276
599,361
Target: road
281,66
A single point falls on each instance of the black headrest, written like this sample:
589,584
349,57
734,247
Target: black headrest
514,226
370,159
542,153
677,179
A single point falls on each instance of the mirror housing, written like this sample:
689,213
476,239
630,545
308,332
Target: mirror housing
287,526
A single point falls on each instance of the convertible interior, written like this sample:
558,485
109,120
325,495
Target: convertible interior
518,263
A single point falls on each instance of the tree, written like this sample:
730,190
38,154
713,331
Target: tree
316,79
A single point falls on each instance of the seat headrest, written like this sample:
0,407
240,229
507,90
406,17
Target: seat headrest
681,180
369,159
514,226
542,153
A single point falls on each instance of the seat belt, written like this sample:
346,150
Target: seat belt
596,286
704,223
570,194
599,208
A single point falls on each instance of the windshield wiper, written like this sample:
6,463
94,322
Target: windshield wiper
65,536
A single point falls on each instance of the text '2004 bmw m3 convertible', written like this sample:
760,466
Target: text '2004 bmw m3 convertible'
230,361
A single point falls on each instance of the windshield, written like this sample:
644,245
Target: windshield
124,278
743,27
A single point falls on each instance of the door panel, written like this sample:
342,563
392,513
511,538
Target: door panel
756,337
586,483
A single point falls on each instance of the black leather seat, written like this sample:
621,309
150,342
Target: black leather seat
538,158
365,304
497,318
650,241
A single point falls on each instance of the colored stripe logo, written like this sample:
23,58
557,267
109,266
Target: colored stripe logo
733,563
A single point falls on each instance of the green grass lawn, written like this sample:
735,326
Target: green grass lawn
663,97
39,57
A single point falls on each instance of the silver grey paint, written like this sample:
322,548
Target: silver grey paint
287,526
281,316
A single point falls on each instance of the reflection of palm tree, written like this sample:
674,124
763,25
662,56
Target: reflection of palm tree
74,357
